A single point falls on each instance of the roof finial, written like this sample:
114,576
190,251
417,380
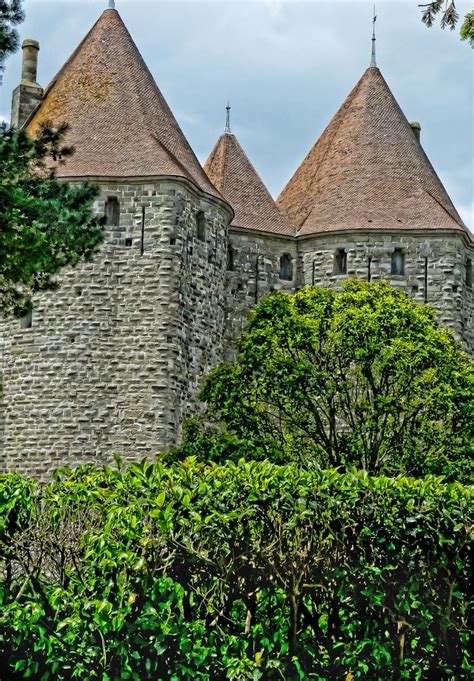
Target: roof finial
111,4
227,120
373,62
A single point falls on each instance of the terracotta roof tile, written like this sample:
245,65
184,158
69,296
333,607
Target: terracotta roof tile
119,122
230,170
368,171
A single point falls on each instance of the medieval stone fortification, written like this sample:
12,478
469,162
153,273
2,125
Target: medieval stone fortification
112,361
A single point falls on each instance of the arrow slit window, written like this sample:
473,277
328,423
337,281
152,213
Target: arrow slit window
201,226
230,258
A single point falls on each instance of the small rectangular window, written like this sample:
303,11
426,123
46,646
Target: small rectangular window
201,226
26,322
112,212
398,263
340,261
286,267
469,273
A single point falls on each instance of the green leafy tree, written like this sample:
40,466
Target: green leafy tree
45,224
365,377
449,18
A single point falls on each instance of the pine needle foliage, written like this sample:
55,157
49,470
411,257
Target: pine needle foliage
448,17
45,224
11,14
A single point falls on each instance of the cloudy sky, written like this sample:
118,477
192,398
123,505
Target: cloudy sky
286,66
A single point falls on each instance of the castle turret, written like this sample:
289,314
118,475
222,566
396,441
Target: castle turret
119,350
366,202
28,95
368,171
230,170
262,249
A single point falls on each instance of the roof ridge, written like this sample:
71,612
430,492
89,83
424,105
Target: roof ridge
186,174
71,57
442,206
225,162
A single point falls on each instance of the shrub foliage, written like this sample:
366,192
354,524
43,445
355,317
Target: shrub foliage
247,570
365,378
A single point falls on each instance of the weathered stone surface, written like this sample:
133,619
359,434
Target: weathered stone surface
25,99
115,357
446,257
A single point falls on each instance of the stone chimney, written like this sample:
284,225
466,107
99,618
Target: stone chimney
28,94
416,127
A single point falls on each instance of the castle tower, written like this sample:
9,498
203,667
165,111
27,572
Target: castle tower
262,249
113,359
366,202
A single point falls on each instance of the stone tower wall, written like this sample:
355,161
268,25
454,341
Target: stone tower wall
114,357
446,256
313,264
256,272
465,305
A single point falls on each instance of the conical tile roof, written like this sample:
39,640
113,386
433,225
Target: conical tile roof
230,170
367,171
119,123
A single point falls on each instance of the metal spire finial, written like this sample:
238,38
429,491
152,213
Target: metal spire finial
111,4
373,62
227,120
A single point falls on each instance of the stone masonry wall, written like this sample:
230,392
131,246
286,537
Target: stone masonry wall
313,264
113,359
446,257
255,273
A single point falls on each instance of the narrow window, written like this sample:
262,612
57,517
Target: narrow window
286,267
340,261
112,212
26,322
469,273
201,226
425,293
230,258
142,240
398,262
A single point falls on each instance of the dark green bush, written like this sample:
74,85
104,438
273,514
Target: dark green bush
248,570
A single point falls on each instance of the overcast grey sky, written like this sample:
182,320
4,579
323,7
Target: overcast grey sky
286,66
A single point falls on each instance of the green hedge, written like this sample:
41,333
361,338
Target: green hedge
246,570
